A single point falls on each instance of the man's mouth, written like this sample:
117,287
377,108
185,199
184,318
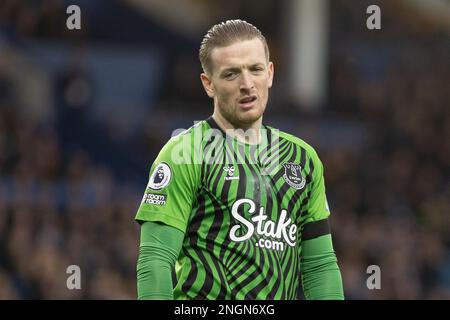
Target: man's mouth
247,101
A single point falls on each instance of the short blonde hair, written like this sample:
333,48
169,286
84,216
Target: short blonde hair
224,34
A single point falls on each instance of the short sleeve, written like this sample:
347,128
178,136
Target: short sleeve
172,186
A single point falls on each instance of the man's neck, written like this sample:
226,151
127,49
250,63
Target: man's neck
248,134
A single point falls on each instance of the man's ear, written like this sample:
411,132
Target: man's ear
207,84
271,71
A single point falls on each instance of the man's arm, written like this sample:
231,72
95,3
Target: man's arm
159,249
321,277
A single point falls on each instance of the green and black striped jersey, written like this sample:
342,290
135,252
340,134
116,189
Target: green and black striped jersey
242,208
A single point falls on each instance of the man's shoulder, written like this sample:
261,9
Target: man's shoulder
180,135
295,140
198,125
185,144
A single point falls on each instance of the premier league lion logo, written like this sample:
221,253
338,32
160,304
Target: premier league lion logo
160,177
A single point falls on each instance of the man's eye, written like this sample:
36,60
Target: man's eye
229,75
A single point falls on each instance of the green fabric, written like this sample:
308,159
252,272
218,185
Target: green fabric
321,278
317,206
242,208
159,249
179,170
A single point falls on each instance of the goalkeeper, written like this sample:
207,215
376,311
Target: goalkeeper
234,208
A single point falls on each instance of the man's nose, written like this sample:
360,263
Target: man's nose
246,81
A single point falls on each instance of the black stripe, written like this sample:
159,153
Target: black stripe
218,170
288,263
269,198
308,194
209,274
256,186
283,292
192,234
265,281
233,255
240,149
249,278
213,168
303,204
262,153
227,184
284,150
238,259
267,151
213,232
275,263
315,229
267,162
226,243
190,280
253,154
174,278
202,294
242,187
205,165
196,222
242,182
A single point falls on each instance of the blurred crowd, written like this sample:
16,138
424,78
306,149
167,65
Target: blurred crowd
59,210
390,198
33,18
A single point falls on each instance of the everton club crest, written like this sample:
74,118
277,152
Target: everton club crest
293,175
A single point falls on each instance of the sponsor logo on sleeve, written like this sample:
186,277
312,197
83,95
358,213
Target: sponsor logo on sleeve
157,199
160,177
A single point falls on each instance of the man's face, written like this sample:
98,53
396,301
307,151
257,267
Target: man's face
239,81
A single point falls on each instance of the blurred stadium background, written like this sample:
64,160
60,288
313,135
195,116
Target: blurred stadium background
83,114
